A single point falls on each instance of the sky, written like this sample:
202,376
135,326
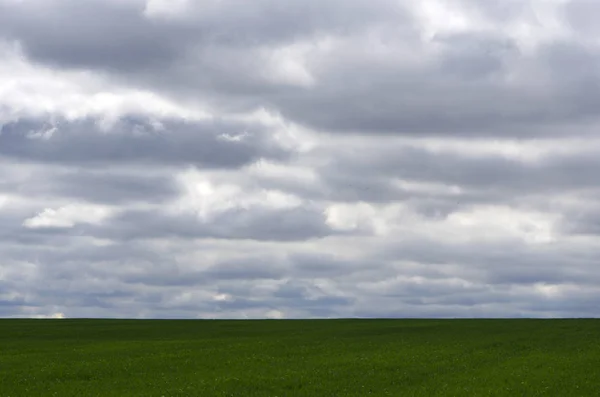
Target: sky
299,158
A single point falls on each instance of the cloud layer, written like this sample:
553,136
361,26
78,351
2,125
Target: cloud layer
225,158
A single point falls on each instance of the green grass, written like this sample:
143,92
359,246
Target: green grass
300,358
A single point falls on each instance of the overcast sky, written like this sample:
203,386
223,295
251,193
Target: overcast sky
299,158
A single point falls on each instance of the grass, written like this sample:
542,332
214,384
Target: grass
299,358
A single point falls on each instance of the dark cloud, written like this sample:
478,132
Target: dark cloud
102,187
507,263
296,297
582,219
481,177
95,34
13,232
117,188
247,269
293,224
205,274
135,141
325,265
204,50
475,57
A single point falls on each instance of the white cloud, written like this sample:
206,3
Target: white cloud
222,297
67,216
350,217
275,314
52,315
207,197
166,8
29,90
503,222
4,200
289,65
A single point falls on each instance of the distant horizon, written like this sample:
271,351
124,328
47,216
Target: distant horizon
299,319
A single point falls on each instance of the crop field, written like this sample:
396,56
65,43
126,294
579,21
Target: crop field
299,358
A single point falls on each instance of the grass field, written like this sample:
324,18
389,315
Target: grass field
299,358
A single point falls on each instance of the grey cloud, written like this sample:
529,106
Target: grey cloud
475,57
464,89
507,263
491,302
13,232
583,219
58,260
256,224
425,102
90,300
108,187
98,34
8,304
166,278
133,141
248,269
305,292
324,265
425,294
384,172
581,15
496,11
145,275
116,36
392,97
478,174
375,72
293,296
115,188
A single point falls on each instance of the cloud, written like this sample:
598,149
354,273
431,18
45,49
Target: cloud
66,217
298,59
111,188
83,142
282,225
213,159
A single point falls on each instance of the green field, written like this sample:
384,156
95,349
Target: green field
299,358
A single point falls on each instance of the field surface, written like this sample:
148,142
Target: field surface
300,358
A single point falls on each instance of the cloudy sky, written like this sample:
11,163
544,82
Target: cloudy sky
299,158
